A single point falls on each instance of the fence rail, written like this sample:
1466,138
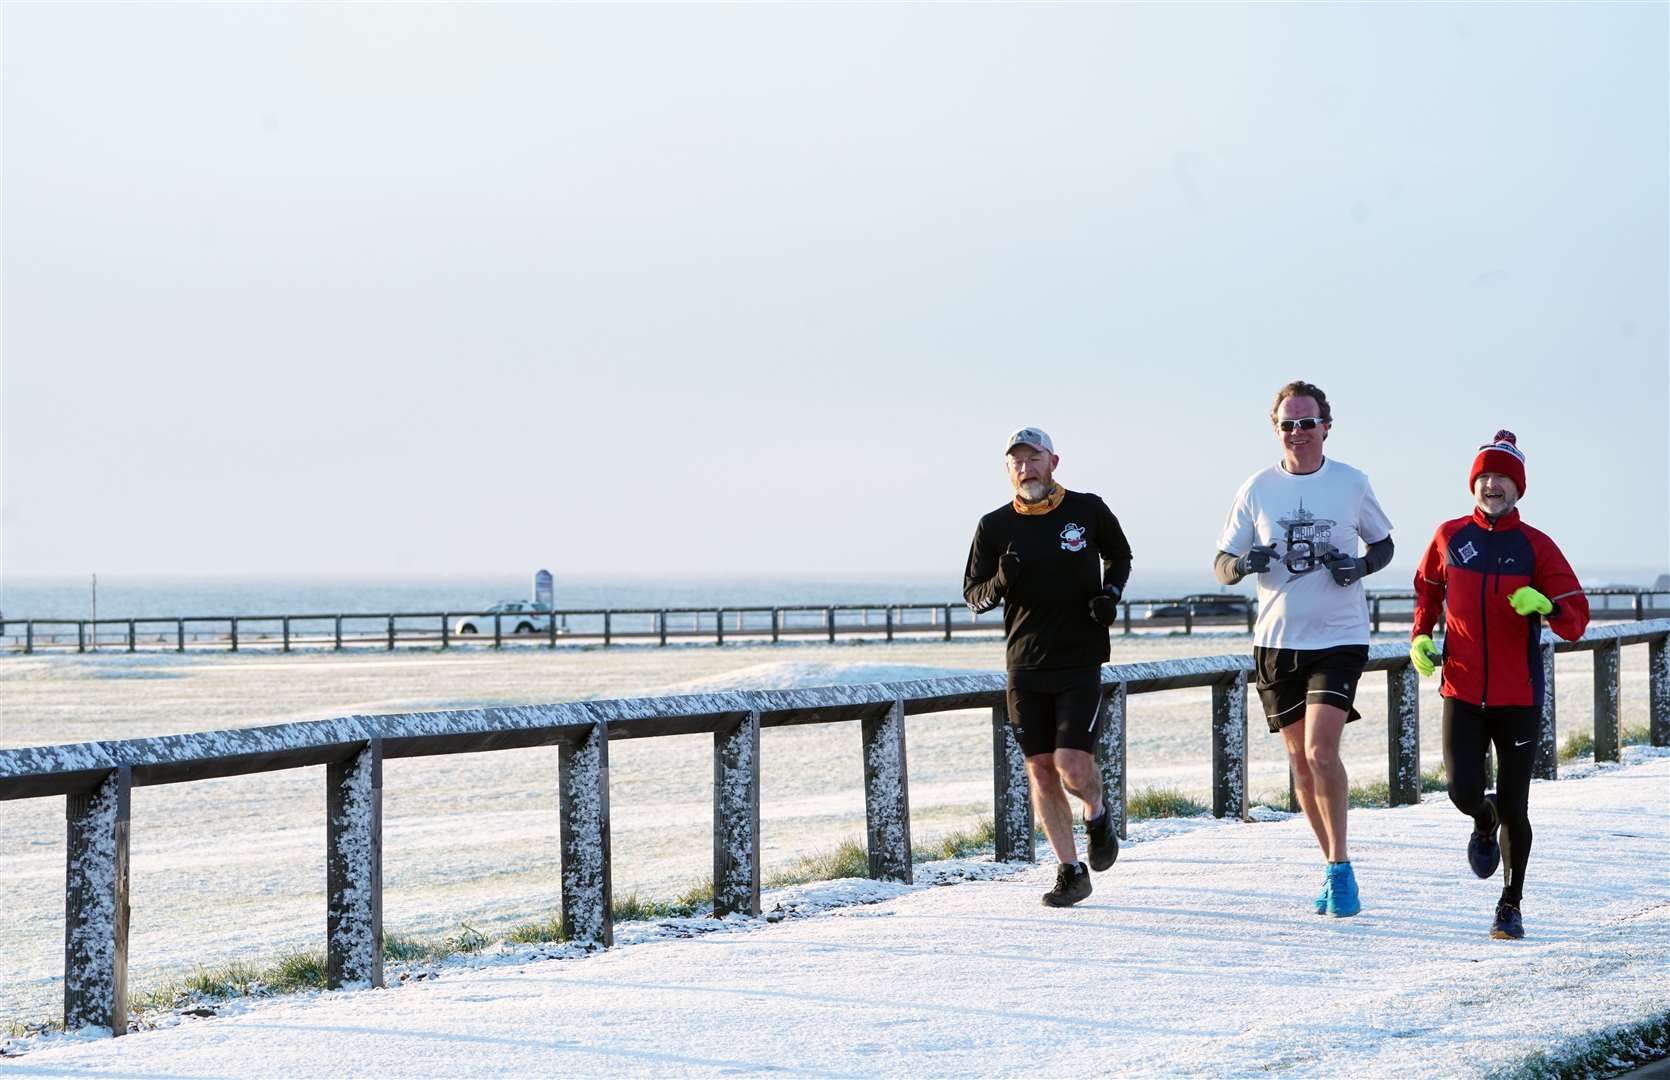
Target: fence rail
96,779
609,626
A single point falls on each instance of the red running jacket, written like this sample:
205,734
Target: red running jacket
1492,655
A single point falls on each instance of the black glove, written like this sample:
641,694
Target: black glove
1255,561
1104,607
1347,569
1008,568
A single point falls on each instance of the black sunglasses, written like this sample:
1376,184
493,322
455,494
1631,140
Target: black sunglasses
1304,423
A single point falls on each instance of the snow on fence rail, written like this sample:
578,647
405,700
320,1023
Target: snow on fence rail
606,626
97,780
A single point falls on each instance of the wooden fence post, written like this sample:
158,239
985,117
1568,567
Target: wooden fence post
179,635
1546,764
96,905
1229,747
1403,735
1110,753
736,818
1606,701
1658,690
719,627
583,789
1011,793
947,622
354,869
887,794
234,635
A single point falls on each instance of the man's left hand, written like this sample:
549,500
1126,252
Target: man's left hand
1347,569
1526,600
1104,607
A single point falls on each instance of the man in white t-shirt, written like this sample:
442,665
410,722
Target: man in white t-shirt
1298,526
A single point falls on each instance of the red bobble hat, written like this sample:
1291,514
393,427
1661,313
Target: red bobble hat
1500,455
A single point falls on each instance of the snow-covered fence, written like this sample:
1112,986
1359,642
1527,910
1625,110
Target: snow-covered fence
97,780
594,626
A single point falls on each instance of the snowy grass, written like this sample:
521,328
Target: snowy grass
1379,792
1581,743
1163,802
1607,1053
291,972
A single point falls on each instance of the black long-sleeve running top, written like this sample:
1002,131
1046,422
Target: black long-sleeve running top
1066,556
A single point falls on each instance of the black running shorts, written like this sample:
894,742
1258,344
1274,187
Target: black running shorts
1290,679
1055,710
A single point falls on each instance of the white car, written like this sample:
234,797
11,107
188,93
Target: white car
515,617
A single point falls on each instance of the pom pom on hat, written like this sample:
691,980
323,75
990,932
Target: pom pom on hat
1500,455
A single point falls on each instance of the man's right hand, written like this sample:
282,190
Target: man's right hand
1008,567
1424,655
1255,561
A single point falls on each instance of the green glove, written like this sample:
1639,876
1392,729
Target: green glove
1525,600
1424,655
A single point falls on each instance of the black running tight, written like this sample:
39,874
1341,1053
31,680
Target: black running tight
1468,731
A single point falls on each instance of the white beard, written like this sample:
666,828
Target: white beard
1033,490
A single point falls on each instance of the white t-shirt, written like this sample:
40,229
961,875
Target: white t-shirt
1299,605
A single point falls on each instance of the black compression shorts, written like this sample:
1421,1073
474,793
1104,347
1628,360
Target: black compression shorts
1055,710
1290,679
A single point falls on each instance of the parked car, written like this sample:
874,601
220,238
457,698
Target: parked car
1204,604
515,617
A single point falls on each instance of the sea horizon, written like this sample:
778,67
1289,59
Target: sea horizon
174,595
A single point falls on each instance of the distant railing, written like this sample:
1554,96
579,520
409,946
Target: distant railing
609,626
97,780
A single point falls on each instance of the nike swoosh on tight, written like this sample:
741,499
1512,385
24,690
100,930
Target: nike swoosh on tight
1527,742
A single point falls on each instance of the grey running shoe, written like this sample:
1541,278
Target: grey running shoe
1072,884
1508,925
1484,852
1104,841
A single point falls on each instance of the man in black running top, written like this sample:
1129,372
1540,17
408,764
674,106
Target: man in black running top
1058,562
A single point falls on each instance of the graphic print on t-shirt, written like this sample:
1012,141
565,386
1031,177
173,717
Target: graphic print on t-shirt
1072,537
1308,539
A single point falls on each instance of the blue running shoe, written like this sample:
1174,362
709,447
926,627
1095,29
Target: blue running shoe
1484,851
1343,901
1327,891
1508,925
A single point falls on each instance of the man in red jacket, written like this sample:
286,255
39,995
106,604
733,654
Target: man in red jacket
1496,579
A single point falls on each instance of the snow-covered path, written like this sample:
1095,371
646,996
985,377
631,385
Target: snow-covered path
1197,955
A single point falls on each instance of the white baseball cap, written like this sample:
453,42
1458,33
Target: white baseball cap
1031,436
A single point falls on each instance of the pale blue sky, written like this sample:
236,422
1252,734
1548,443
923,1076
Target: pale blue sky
725,289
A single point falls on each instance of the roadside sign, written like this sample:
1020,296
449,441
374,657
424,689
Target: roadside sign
542,588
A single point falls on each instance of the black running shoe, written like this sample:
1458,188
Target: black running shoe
1508,925
1104,841
1484,852
1072,884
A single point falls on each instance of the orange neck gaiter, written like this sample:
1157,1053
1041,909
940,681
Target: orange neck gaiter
1043,506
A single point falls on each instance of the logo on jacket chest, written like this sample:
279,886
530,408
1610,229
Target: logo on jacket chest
1072,537
1467,552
